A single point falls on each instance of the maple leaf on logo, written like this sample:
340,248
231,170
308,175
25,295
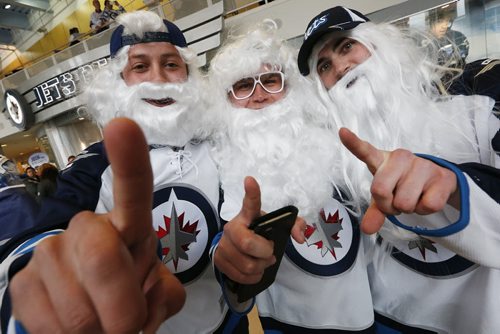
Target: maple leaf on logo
176,237
326,236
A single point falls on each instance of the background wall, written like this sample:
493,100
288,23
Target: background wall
55,33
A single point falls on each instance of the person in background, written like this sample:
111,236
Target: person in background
109,13
97,21
31,181
452,45
481,77
71,158
74,35
163,180
265,105
439,269
48,181
17,207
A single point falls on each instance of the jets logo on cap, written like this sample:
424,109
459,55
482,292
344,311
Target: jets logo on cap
315,25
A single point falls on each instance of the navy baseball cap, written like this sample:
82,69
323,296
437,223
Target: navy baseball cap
173,35
334,19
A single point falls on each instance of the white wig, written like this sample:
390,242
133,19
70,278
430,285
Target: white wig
244,54
138,23
414,67
276,144
103,94
404,108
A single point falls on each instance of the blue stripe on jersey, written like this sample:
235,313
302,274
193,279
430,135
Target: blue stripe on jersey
28,245
234,320
20,328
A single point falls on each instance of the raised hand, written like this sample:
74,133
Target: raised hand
241,254
103,274
402,182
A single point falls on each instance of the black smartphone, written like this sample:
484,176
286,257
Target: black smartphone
275,226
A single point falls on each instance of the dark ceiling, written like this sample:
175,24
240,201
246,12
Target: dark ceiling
16,18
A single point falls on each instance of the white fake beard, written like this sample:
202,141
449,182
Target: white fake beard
390,115
174,124
284,154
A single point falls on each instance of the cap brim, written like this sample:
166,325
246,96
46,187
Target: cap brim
308,45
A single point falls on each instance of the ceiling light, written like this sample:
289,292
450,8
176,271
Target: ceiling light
4,145
7,6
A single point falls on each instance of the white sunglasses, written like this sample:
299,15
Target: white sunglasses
272,82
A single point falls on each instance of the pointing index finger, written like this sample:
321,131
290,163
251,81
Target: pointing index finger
363,150
132,179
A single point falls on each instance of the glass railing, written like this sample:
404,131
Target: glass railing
171,10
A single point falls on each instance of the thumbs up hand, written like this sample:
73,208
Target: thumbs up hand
243,255
103,274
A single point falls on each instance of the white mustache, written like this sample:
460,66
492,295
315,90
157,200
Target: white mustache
350,78
152,91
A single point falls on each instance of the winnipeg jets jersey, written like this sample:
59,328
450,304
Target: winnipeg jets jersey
321,285
17,210
423,285
185,217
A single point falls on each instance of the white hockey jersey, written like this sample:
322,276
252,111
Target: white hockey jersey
185,217
448,283
322,284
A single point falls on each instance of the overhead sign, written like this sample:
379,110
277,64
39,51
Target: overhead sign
65,85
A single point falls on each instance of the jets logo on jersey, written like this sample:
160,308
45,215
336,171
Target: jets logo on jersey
429,258
185,222
331,244
325,236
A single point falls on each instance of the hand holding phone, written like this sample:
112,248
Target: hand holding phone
275,226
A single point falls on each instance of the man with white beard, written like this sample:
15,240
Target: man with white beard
378,83
265,105
152,80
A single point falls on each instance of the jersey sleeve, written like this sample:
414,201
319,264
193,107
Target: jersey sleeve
228,209
78,187
230,297
474,231
14,258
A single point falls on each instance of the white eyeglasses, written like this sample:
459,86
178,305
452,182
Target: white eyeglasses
272,82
